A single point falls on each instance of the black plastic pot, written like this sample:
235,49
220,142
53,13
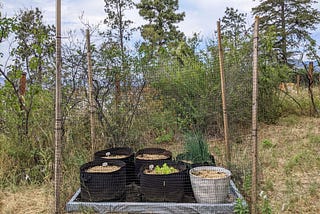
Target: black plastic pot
164,188
103,186
181,157
140,162
129,160
187,186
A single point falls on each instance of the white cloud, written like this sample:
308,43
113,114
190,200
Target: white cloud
202,15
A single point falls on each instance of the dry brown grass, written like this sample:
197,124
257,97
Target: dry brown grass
290,164
26,200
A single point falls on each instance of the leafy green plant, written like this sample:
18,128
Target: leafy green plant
241,207
247,183
266,144
196,148
265,206
165,137
165,169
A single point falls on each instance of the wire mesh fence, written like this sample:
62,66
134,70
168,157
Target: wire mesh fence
173,104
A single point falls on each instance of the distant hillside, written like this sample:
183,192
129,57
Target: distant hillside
299,65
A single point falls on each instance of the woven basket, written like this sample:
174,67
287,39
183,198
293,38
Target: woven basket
210,190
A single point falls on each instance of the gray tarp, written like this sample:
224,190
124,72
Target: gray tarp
147,207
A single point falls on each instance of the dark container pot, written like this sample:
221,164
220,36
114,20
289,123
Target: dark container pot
141,162
101,186
129,160
164,188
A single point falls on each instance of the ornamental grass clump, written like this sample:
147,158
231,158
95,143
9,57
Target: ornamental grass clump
196,149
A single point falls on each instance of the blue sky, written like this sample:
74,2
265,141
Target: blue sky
201,15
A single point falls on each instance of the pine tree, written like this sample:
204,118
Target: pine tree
160,33
292,21
233,26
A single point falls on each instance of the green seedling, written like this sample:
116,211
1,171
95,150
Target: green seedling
165,169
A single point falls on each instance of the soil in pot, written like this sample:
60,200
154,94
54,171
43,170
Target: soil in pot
152,157
210,184
166,187
148,156
124,154
102,169
210,174
103,180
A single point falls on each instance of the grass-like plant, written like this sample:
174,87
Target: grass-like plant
196,148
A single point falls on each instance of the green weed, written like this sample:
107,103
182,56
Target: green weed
266,144
268,185
241,207
265,207
314,139
314,188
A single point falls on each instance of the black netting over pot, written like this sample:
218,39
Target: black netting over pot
163,187
184,157
124,154
103,180
149,156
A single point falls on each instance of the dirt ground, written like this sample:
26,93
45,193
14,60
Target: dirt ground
289,154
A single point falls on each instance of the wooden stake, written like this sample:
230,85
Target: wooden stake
298,84
224,103
58,118
254,119
91,100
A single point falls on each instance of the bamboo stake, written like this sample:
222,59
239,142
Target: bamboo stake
254,119
298,84
91,100
58,122
224,103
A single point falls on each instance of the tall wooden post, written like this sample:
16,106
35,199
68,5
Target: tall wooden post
298,84
313,108
223,95
58,118
91,100
254,185
310,74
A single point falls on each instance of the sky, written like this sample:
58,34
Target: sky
201,15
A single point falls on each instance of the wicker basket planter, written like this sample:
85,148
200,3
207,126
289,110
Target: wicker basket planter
213,187
190,164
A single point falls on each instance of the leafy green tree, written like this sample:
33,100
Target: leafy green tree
237,47
161,34
292,21
35,45
118,32
33,55
26,112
